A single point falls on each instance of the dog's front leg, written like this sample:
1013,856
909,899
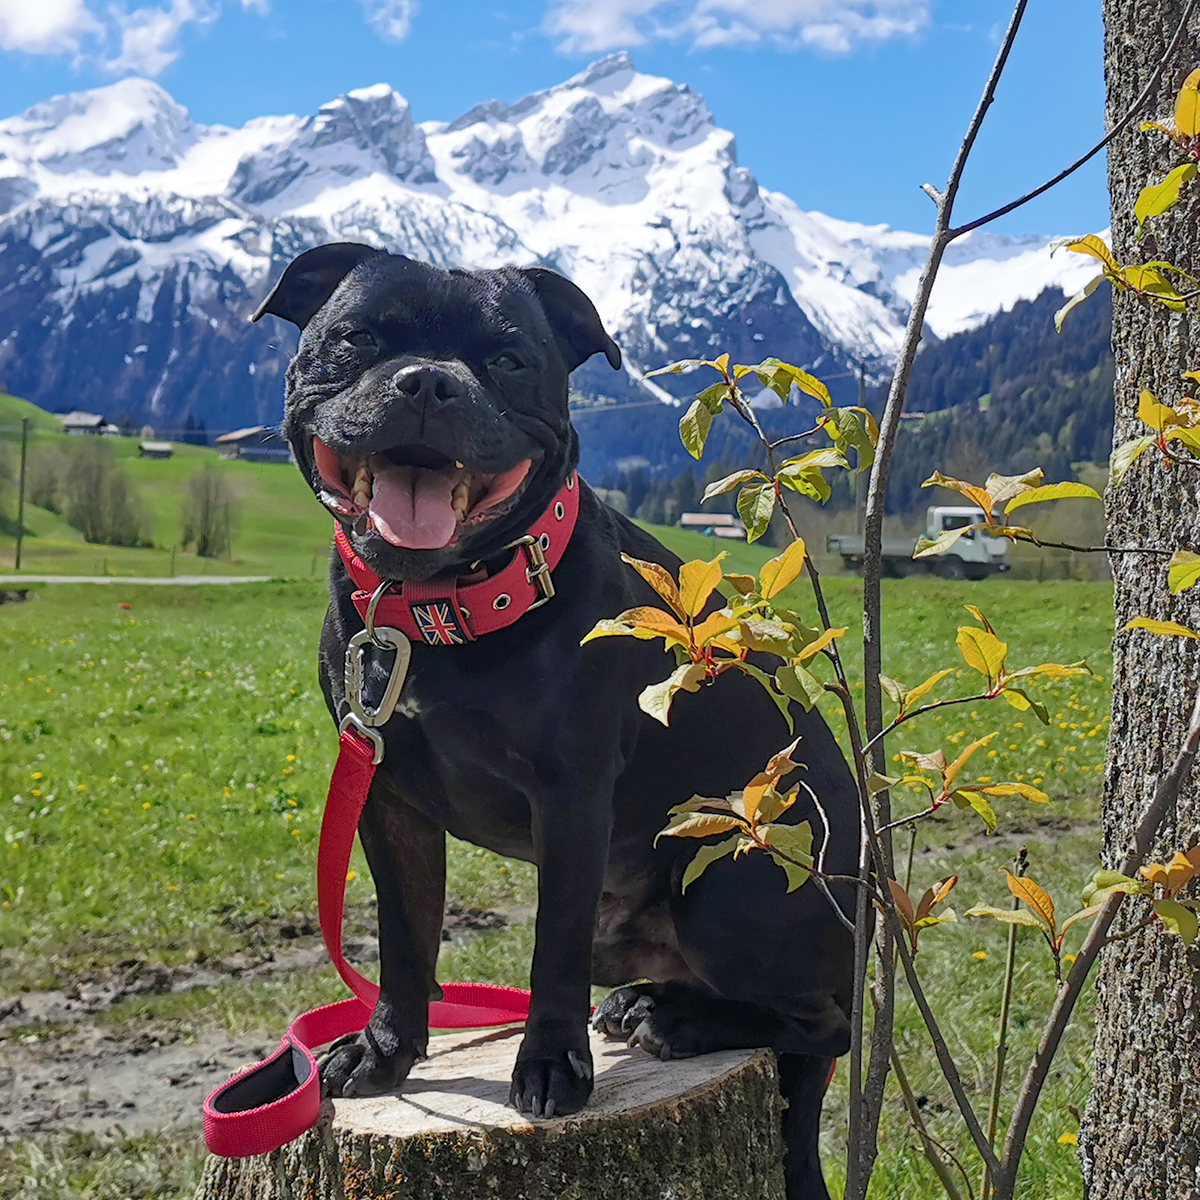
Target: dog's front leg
553,1073
407,856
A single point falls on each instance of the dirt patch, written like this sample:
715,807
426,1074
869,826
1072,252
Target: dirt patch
75,1075
94,1081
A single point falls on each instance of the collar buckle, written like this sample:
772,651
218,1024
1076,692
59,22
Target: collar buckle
537,569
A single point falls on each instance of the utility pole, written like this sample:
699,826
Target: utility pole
21,493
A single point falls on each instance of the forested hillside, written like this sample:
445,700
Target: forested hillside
1008,396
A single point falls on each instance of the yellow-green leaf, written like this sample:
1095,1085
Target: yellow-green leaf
659,578
655,700
957,765
1037,898
1024,790
1010,916
712,629
796,842
982,651
782,570
973,492
1052,670
1005,487
925,547
1163,627
643,623
704,858
800,685
1178,920
720,486
971,798
697,581
1024,703
697,825
1125,455
1104,883
1095,248
1150,281
1187,106
1052,491
815,648
1157,416
936,761
877,783
756,505
744,584
694,426
911,698
1157,198
1183,571
1077,299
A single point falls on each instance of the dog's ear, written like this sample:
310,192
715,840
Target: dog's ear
311,279
574,319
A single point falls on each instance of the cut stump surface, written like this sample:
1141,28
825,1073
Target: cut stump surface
704,1128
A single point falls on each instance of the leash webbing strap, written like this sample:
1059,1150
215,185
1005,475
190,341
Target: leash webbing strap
276,1100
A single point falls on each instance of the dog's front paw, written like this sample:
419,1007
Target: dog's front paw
621,1011
357,1066
552,1086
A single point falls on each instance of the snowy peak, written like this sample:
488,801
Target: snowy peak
127,128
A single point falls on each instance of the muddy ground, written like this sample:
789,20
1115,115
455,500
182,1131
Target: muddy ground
63,1070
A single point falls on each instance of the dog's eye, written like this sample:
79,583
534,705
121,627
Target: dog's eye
508,362
360,338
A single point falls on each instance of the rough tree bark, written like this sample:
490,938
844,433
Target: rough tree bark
704,1128
1141,1133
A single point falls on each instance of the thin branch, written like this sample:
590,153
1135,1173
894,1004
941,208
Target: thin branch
1134,109
1097,549
819,873
794,437
945,1061
1144,923
929,1145
925,708
928,812
1165,796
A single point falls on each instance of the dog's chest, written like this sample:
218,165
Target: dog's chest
463,765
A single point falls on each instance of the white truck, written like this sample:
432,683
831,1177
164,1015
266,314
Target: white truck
973,556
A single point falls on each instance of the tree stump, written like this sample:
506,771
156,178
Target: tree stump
704,1128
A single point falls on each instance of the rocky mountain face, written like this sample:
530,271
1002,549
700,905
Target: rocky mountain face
134,242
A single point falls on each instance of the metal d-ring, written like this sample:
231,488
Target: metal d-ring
369,618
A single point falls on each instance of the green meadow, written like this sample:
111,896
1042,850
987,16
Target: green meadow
163,759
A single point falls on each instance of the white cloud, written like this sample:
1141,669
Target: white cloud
391,19
44,26
149,37
835,26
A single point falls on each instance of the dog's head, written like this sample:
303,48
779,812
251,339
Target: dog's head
428,408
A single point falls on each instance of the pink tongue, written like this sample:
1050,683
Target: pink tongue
411,505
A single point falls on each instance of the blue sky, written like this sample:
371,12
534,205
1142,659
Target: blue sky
846,105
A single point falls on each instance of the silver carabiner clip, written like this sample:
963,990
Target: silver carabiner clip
364,717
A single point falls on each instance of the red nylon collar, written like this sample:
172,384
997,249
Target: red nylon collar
452,610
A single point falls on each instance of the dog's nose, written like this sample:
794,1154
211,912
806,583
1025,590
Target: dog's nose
427,385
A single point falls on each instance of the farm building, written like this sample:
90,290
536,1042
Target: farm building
720,525
257,443
155,449
79,423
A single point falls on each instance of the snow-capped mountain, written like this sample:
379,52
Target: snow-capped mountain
134,242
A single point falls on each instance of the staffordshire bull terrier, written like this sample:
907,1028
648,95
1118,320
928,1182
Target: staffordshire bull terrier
427,408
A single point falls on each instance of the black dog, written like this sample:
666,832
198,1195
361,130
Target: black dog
428,410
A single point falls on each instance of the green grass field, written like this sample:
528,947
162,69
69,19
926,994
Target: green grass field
163,760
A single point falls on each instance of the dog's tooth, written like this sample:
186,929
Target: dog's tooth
458,465
361,492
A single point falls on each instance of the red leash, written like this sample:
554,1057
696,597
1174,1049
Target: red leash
276,1100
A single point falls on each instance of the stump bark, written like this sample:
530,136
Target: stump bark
704,1128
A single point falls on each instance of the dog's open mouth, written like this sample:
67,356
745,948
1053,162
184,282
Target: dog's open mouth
413,496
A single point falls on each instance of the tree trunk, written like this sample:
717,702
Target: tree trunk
1141,1133
704,1128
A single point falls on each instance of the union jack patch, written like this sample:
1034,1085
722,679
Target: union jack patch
435,619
